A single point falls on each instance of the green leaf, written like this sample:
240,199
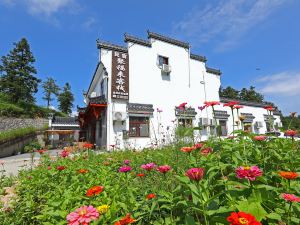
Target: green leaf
189,220
253,208
274,216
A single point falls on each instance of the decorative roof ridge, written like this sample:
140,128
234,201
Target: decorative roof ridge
130,38
213,71
167,39
198,57
110,46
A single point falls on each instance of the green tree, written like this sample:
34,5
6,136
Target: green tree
251,95
17,72
229,92
50,88
65,99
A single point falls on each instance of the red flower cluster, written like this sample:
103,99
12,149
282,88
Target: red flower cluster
96,190
198,145
290,197
82,171
241,218
195,173
60,168
88,145
126,220
231,104
291,133
140,175
211,103
188,149
288,175
269,108
41,151
259,138
163,169
150,196
206,151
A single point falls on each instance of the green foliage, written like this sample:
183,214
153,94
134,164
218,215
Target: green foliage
245,94
50,195
50,88
229,92
11,134
66,99
17,73
289,122
32,147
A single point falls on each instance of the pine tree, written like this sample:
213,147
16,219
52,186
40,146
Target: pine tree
17,72
251,95
229,92
66,99
50,88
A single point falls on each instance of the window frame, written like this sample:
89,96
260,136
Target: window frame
163,60
137,125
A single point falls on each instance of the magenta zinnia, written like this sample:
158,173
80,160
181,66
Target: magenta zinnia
163,169
195,173
83,215
247,172
148,166
290,197
125,169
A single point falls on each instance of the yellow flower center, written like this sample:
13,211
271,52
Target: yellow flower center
82,212
247,168
243,221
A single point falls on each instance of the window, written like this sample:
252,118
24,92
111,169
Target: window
185,122
138,126
163,60
222,128
102,87
247,127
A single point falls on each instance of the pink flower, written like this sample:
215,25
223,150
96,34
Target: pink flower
64,153
125,169
148,166
83,215
269,108
195,173
259,138
198,145
238,106
2,162
231,104
182,106
126,161
290,133
212,103
290,197
163,169
49,168
247,172
201,107
159,110
206,151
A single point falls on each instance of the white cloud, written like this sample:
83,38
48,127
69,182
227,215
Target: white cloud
89,23
283,89
47,7
7,3
285,83
227,21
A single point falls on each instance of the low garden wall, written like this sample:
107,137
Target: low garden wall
16,145
8,123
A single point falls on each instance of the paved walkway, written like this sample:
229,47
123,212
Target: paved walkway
13,164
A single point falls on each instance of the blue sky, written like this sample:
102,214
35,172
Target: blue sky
237,36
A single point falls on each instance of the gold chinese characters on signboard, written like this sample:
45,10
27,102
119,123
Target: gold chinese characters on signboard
120,75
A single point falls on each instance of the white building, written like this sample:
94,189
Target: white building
132,84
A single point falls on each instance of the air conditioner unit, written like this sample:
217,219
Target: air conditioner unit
166,68
259,124
119,116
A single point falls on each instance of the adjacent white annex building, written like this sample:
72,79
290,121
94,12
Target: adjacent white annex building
134,93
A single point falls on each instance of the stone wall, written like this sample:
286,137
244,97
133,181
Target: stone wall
15,123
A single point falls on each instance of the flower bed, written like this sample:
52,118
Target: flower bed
244,180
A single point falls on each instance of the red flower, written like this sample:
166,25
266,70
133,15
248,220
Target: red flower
291,133
259,138
288,175
124,221
231,104
238,106
188,149
41,151
82,171
64,153
269,108
195,173
206,151
60,168
182,106
198,145
290,197
150,196
140,175
163,169
96,190
212,103
88,145
242,218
